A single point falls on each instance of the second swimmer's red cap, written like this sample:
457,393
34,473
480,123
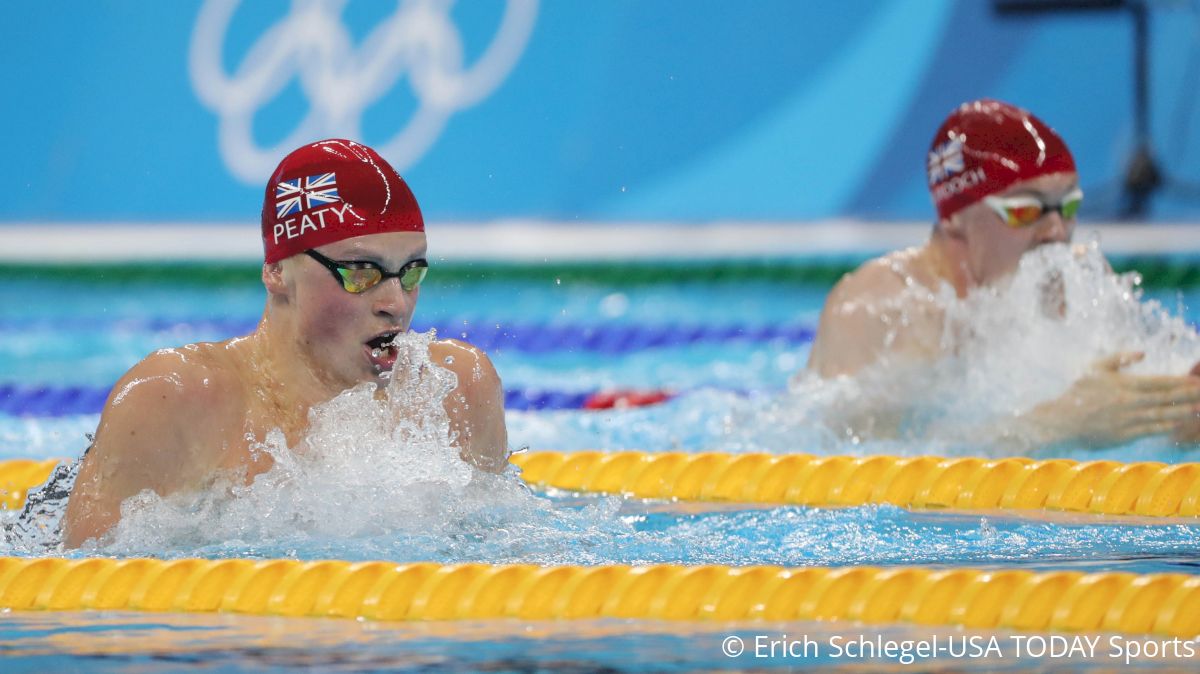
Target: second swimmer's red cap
332,190
985,146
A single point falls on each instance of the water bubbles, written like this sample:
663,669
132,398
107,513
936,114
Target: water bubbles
986,530
368,465
787,362
994,355
614,305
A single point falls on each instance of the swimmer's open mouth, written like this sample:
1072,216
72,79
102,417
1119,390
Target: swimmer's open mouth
381,351
383,340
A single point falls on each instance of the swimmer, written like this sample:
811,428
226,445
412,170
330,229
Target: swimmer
1003,183
345,254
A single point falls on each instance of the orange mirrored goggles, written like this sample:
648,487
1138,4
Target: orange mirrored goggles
1025,210
359,276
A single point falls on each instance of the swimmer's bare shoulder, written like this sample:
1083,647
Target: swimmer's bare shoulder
476,405
157,431
869,312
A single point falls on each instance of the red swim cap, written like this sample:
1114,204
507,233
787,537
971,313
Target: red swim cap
333,190
984,147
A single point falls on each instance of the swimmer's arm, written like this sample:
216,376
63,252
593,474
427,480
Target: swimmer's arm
475,406
140,444
1109,407
864,321
847,340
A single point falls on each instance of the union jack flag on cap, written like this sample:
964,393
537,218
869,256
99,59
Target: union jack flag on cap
985,147
332,190
302,194
945,160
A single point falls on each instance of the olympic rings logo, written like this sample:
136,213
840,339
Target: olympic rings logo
419,40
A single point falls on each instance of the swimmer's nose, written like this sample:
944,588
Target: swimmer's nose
1053,229
390,301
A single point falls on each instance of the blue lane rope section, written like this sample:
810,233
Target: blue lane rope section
488,335
48,401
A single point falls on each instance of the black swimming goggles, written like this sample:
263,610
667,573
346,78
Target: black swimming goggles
359,276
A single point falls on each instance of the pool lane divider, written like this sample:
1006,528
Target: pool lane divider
52,401
1169,269
1066,601
1146,489
487,334
1149,489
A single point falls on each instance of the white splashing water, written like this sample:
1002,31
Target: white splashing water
380,478
371,468
1007,349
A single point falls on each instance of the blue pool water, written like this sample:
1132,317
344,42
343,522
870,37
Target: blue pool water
728,352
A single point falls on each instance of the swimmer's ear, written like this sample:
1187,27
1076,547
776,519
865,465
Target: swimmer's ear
272,278
952,226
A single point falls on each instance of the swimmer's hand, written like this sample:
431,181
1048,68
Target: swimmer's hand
1109,407
1189,432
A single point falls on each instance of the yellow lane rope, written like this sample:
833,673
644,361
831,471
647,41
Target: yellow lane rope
18,476
1167,604
1103,487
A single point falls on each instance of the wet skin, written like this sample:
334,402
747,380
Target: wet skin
185,416
974,247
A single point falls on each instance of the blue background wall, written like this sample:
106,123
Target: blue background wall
615,110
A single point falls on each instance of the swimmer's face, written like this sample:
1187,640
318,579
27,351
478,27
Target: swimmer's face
339,332
994,248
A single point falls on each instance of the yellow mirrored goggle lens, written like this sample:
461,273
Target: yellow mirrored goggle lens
1025,211
360,280
412,277
1070,207
1023,216
363,279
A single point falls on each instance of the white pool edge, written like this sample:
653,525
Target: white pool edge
533,241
